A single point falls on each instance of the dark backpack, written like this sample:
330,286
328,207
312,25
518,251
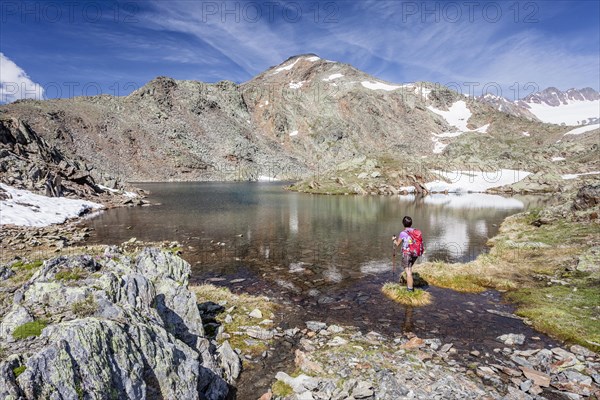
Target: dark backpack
415,245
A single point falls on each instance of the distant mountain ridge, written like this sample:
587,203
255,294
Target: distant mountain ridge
303,117
551,105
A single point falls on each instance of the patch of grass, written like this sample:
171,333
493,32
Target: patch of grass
243,304
26,266
522,261
398,293
559,310
85,307
74,274
19,370
33,328
282,389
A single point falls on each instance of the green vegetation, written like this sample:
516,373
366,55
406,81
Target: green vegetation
74,274
242,305
538,268
568,313
398,293
33,328
85,307
282,389
19,370
26,266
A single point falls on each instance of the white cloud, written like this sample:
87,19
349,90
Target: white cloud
15,84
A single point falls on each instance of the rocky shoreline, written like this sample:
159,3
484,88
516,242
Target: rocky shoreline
336,362
95,305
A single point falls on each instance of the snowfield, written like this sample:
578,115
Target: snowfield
573,176
457,115
332,77
25,208
474,181
583,129
573,113
379,86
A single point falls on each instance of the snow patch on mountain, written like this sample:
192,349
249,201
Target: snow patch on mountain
332,77
438,147
583,129
286,68
573,176
296,85
29,209
457,115
313,58
379,86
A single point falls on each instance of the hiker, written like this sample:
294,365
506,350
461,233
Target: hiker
410,242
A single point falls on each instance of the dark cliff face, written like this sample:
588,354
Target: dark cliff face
304,114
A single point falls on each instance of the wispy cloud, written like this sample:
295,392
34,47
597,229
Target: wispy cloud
15,84
378,38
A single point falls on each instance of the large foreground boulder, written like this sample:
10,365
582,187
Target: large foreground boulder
114,327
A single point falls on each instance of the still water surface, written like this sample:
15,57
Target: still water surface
331,252
327,255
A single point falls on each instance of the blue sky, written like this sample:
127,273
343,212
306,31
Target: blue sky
85,46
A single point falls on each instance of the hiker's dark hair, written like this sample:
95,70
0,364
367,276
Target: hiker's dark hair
407,221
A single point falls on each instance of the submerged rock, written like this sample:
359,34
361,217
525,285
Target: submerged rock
142,336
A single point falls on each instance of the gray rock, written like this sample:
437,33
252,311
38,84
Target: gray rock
363,390
575,376
512,339
445,348
316,326
255,314
260,333
582,351
526,385
299,384
229,361
16,317
5,272
145,341
587,196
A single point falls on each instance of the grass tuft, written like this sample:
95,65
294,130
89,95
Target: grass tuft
399,294
19,370
33,328
282,389
74,274
85,307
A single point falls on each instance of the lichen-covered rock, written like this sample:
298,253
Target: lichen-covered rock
587,196
230,361
5,272
143,340
16,317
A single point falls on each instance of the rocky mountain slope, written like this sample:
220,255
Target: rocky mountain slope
305,117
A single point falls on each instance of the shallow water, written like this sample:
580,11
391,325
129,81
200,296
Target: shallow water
329,255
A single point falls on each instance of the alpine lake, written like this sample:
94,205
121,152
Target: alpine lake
327,257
